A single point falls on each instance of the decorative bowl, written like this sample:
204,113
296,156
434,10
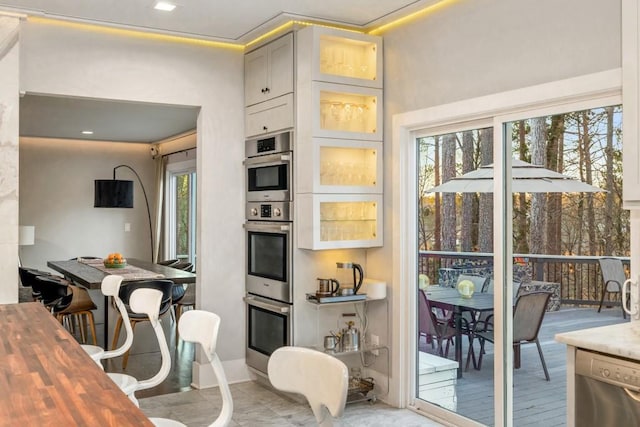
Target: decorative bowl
122,264
466,288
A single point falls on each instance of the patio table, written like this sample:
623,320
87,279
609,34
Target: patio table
450,299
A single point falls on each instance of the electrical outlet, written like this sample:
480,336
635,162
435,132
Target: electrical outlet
375,341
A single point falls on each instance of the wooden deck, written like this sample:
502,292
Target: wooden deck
536,402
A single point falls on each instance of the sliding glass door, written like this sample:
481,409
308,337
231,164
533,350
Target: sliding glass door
511,213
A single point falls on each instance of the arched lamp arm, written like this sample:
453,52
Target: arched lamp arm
146,200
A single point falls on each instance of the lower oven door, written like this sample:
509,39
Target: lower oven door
606,393
268,328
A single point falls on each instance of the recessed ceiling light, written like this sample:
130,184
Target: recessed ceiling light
164,6
87,132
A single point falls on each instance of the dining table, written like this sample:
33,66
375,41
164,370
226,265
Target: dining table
47,379
449,299
90,272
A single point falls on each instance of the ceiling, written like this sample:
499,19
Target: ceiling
232,21
66,118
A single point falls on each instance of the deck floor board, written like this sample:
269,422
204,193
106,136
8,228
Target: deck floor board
537,402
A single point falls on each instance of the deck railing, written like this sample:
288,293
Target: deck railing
579,276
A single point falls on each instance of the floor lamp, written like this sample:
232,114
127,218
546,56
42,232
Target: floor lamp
26,237
115,193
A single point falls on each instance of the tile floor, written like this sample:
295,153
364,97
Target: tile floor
257,405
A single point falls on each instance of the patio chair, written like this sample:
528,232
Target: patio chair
613,276
432,328
527,319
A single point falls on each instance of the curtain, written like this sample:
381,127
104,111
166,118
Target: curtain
161,166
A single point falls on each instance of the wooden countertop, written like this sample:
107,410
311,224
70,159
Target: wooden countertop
46,379
619,340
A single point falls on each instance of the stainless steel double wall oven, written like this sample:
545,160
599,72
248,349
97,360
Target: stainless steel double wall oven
269,251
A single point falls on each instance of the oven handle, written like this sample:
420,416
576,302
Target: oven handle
268,160
266,227
266,306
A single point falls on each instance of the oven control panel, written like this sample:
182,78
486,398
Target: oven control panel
612,370
272,211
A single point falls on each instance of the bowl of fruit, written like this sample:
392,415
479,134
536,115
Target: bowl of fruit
115,260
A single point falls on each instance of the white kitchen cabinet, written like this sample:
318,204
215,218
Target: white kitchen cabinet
330,110
269,116
336,56
269,71
339,121
335,221
328,165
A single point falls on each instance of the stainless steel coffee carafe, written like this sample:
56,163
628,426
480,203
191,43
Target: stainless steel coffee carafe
350,338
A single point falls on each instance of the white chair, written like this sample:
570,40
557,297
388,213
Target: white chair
201,327
146,301
111,287
322,379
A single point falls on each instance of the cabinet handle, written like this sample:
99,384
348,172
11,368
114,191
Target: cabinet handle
264,128
262,90
267,90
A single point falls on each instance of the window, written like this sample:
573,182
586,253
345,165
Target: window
181,211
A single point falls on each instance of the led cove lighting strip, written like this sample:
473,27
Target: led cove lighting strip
229,45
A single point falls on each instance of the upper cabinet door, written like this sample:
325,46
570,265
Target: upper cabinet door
336,56
269,71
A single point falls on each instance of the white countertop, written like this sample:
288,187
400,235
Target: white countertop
619,340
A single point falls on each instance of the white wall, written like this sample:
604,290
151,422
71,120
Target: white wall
65,60
57,190
473,48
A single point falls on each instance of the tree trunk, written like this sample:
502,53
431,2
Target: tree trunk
580,217
554,200
437,225
423,211
591,216
448,199
538,142
485,210
466,236
608,214
521,245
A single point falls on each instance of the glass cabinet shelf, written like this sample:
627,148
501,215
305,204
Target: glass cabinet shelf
338,56
348,57
329,221
349,112
328,165
348,166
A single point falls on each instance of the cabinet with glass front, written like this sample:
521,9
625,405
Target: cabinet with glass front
339,166
330,221
338,139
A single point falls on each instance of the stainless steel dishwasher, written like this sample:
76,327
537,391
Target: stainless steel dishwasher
607,390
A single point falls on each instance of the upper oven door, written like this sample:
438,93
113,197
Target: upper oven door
269,260
269,178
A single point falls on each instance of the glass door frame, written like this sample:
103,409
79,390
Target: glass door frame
579,93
